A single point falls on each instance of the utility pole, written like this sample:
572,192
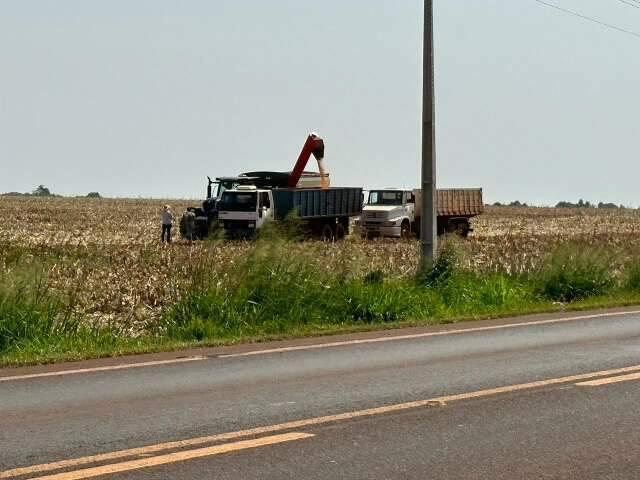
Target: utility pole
428,221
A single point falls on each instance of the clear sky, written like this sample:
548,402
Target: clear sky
146,97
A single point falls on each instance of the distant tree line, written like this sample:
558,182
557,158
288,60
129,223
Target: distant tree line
515,203
563,204
42,191
39,191
582,204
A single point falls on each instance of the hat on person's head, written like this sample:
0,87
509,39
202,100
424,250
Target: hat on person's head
166,207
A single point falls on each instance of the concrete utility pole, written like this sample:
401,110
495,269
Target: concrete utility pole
428,222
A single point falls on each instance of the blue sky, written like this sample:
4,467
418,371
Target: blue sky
147,97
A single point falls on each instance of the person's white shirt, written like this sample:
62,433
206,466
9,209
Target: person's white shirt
167,217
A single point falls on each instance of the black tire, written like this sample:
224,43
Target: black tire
463,229
405,229
344,221
458,227
340,232
416,228
451,228
327,234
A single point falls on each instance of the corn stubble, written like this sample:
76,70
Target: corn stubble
105,258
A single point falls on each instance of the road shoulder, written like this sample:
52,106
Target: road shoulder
141,360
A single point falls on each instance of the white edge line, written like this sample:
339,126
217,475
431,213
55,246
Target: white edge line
423,335
101,369
314,346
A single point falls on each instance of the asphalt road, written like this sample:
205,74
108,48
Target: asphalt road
495,400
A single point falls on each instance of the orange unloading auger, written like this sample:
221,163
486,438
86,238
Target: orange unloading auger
313,146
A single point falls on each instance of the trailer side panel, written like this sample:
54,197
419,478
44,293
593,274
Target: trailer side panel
455,202
317,202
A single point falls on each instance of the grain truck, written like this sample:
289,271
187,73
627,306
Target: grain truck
207,215
395,212
324,212
256,198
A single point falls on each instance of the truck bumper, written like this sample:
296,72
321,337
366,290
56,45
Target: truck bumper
239,233
382,231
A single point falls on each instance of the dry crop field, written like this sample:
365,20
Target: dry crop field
105,254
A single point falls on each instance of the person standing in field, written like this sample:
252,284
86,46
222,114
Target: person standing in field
189,224
167,223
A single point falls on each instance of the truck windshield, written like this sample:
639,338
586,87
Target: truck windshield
224,185
381,197
238,202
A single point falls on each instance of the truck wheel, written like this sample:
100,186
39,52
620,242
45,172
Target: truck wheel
344,222
451,228
340,232
415,227
405,229
328,235
463,229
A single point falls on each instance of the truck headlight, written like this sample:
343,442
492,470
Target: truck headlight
391,223
252,225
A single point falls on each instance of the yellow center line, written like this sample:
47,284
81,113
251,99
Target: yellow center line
175,457
297,424
610,380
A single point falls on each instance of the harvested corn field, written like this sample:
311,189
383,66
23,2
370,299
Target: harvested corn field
106,253
104,259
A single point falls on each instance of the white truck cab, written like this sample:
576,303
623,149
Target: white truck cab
245,209
389,212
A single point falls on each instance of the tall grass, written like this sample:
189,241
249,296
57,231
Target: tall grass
272,292
632,276
35,323
28,314
573,273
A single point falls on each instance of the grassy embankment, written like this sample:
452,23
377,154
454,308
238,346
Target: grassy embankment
273,294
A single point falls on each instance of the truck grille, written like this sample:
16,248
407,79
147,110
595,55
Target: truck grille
237,223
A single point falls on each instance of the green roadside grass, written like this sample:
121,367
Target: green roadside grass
90,344
272,296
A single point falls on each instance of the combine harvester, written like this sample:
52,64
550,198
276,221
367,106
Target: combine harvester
242,205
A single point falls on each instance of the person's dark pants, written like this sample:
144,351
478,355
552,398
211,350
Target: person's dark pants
166,230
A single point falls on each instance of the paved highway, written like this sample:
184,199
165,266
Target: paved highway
555,396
